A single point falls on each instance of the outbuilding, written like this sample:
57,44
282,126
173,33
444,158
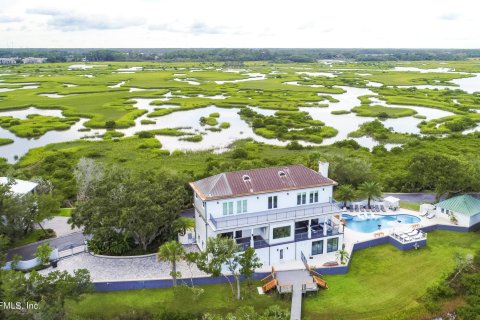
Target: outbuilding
464,209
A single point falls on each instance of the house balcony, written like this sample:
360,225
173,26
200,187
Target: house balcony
317,231
274,215
258,243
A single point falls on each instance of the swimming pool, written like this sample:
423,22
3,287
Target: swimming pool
367,224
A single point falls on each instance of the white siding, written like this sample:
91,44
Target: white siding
259,202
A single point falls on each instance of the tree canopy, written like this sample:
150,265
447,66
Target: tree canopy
124,210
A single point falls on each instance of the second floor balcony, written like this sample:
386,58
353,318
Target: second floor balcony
274,215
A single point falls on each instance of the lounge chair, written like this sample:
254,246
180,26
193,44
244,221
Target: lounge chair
356,208
423,214
377,208
350,208
412,233
362,209
382,207
431,215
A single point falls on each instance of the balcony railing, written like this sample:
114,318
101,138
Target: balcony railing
250,219
258,243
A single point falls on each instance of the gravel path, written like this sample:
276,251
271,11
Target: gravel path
121,269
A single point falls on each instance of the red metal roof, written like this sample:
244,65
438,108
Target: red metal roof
263,180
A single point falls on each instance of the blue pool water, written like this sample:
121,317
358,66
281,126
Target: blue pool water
367,225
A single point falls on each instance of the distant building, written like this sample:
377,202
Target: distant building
8,61
284,213
20,187
34,60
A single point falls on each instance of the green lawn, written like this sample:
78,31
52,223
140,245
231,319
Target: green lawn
415,206
386,283
383,283
216,299
64,212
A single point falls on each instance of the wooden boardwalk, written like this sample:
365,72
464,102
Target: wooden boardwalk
295,278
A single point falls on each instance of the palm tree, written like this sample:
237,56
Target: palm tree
370,189
182,224
342,255
345,193
171,251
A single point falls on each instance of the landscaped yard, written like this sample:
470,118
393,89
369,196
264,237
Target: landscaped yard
34,236
386,283
383,283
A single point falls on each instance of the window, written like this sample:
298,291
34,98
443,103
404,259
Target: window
332,244
227,208
241,206
196,195
313,196
281,232
203,204
301,198
317,247
272,202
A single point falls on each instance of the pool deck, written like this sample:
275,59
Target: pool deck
351,237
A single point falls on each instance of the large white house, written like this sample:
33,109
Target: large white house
282,212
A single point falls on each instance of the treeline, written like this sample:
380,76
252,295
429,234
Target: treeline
240,55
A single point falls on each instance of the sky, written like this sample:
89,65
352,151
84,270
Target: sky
239,24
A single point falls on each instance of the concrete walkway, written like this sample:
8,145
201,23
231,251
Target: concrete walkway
296,308
60,225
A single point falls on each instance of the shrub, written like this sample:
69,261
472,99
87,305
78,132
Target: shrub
145,134
110,124
294,145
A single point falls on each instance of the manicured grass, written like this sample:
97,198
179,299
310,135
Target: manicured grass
382,283
415,206
216,299
65,212
34,236
386,283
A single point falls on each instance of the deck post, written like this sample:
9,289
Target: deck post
309,228
325,226
252,243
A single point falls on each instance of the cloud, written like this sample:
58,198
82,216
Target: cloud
203,28
451,16
8,19
75,21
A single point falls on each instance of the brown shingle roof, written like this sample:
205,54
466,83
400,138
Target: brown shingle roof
264,180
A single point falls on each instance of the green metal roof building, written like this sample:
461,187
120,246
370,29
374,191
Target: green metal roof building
465,208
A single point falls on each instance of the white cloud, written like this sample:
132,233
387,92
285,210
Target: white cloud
252,23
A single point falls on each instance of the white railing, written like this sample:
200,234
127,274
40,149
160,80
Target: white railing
248,219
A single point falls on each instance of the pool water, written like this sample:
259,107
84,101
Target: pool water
368,224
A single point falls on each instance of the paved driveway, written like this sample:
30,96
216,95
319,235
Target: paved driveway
63,242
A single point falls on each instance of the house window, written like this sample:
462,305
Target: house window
272,202
332,244
281,232
241,206
227,208
317,247
203,204
301,198
313,196
196,195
